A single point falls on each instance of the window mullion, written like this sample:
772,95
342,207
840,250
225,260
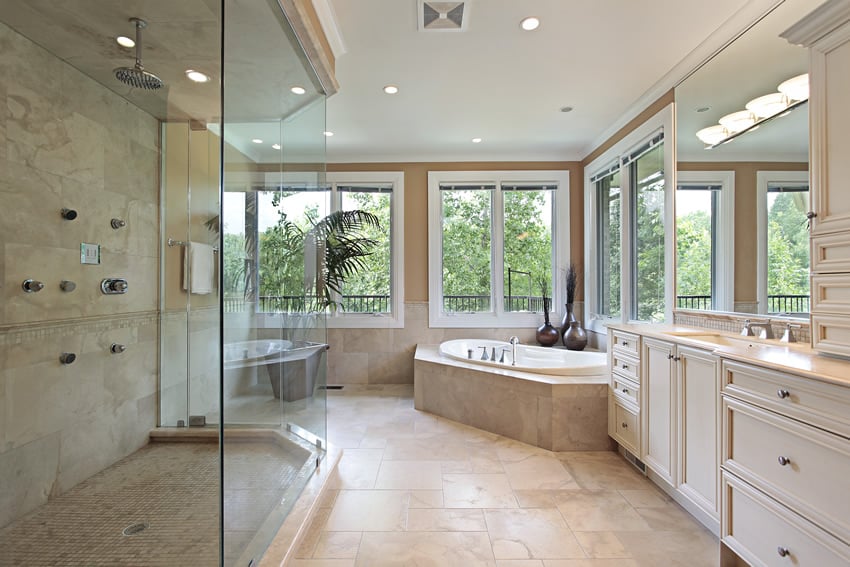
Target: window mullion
497,250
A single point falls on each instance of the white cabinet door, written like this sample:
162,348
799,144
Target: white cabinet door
658,441
699,449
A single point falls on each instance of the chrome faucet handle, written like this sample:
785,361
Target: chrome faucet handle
788,336
747,331
514,340
484,353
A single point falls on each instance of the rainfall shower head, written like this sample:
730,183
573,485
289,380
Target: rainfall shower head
137,76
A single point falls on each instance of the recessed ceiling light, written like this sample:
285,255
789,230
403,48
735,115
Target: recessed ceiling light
298,90
328,133
391,89
125,41
530,24
476,140
257,141
197,76
275,146
566,109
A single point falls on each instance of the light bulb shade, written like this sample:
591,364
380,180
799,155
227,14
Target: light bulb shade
796,88
768,105
712,134
738,121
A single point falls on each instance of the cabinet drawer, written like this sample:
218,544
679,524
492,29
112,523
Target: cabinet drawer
763,532
626,343
831,293
831,253
817,403
802,467
627,366
831,334
625,389
625,427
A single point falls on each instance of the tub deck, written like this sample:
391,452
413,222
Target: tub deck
558,413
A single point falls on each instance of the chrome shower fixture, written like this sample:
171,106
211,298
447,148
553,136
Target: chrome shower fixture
137,76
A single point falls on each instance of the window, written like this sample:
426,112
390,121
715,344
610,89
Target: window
783,263
373,297
498,241
704,234
629,231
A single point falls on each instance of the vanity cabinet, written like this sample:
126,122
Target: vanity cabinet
659,409
826,31
785,465
625,384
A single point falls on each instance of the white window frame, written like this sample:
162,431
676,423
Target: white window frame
724,294
661,121
560,244
764,178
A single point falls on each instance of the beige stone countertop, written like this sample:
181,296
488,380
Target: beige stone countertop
796,358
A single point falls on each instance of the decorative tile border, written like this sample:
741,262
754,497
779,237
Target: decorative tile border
40,330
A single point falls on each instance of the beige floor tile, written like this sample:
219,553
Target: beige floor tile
431,449
538,472
369,510
477,491
426,499
314,533
363,454
607,471
531,534
446,520
670,518
600,511
322,563
337,545
412,475
593,563
443,549
372,442
601,545
673,549
355,474
538,498
649,498
519,563
481,465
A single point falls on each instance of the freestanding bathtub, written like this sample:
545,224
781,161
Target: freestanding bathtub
292,366
553,398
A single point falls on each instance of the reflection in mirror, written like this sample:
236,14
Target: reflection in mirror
721,221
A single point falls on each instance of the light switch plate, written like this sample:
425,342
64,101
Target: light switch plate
89,253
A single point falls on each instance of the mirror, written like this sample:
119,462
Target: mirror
741,205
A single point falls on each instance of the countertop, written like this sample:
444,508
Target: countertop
795,358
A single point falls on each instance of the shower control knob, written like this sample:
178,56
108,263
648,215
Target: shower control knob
32,286
111,286
117,349
69,214
67,357
67,285
117,223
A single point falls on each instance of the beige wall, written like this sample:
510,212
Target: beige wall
746,237
416,209
65,141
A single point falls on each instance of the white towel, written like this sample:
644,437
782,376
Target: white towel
198,268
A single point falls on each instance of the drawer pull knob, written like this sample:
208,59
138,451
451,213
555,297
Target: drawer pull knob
625,366
625,390
783,394
783,551
625,343
784,460
624,425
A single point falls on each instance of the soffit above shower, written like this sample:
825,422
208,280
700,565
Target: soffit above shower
180,35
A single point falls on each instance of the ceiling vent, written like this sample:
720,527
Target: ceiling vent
442,16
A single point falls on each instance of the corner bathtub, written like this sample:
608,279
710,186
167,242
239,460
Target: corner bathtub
292,367
539,360
553,398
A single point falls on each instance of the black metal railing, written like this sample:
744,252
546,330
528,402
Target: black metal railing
303,304
787,303
479,303
693,302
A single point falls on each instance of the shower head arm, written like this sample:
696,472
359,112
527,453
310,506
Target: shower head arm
140,25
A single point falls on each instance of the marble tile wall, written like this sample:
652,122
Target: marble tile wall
67,142
385,356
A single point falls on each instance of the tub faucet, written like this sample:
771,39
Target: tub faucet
514,342
502,358
484,353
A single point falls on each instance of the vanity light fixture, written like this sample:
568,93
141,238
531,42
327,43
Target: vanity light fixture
257,141
197,76
476,140
530,23
328,133
275,146
391,89
298,90
125,41
791,94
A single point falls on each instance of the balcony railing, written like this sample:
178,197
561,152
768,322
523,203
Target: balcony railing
380,304
784,303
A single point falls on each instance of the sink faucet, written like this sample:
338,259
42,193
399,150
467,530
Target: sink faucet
514,342
765,332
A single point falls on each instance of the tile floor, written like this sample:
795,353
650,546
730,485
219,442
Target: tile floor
415,489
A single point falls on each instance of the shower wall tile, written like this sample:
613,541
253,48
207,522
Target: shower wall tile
67,142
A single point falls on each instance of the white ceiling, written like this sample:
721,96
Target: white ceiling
499,83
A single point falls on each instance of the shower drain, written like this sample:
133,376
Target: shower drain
135,528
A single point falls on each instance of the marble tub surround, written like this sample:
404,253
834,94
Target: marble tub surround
481,499
559,413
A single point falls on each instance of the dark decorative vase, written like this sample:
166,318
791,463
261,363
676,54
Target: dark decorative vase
573,335
547,334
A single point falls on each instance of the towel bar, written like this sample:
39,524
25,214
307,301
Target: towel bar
172,242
